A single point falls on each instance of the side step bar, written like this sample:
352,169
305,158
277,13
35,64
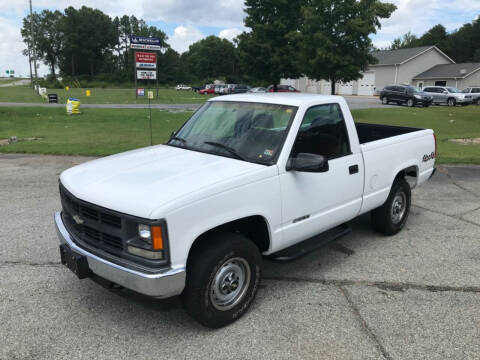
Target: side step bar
298,250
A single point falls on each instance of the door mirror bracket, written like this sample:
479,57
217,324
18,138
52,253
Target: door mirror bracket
306,162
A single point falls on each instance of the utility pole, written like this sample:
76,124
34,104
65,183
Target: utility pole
33,43
30,64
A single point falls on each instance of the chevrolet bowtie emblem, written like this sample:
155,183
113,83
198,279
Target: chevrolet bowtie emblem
78,219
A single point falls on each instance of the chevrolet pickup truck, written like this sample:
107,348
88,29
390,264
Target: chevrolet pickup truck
247,177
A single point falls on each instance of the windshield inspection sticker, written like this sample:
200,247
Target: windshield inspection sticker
268,152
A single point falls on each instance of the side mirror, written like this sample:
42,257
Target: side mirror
445,92
306,162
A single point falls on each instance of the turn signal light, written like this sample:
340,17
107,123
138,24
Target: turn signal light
157,238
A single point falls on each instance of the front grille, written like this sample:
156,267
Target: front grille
91,224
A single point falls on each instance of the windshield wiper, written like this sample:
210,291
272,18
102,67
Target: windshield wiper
182,140
227,148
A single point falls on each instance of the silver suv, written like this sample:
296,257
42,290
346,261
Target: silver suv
447,95
474,92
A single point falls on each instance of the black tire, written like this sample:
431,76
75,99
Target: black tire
383,217
385,100
212,263
410,103
478,101
451,102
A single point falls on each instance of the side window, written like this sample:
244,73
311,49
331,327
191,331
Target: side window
466,91
323,132
476,91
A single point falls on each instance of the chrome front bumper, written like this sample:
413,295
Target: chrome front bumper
161,285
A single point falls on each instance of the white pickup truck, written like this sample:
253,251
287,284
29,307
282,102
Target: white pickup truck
246,176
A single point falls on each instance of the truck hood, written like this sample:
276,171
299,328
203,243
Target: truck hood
139,182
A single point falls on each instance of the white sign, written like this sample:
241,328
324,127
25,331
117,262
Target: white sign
146,74
150,94
145,47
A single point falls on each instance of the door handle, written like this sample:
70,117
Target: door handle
353,169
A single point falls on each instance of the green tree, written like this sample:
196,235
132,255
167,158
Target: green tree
268,52
90,36
435,36
334,40
210,58
48,37
408,40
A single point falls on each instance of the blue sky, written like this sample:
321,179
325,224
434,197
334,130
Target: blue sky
187,21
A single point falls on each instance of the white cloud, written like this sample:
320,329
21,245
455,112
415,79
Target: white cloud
229,34
11,47
220,13
183,37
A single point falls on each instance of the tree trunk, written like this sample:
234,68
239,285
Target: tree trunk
52,66
73,65
332,89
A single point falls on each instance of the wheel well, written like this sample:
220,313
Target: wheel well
254,228
411,171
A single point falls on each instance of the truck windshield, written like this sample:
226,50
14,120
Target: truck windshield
252,132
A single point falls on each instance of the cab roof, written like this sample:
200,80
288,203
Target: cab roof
290,99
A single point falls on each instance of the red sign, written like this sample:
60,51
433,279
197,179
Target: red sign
145,57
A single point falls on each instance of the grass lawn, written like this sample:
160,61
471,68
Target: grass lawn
103,96
448,123
109,131
93,132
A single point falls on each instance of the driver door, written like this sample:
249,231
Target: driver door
313,202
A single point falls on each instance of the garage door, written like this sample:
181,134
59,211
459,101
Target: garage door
345,89
366,85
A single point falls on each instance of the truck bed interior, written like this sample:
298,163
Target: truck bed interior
372,132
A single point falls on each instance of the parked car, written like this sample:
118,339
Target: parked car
247,175
257,90
282,88
405,94
219,88
447,95
237,89
198,88
209,89
474,92
183,87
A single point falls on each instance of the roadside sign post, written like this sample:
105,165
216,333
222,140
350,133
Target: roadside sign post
150,97
145,61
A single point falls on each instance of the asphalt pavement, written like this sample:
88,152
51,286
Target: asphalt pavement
415,295
355,102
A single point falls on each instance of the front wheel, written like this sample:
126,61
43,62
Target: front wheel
451,102
385,100
410,103
391,217
222,279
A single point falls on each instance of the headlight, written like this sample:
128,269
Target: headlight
418,97
149,243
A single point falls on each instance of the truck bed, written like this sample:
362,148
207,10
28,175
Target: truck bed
372,132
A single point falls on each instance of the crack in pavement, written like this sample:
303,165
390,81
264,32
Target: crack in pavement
27,263
452,180
383,285
460,218
363,323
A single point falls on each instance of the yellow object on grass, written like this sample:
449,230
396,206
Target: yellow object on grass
73,106
67,88
88,92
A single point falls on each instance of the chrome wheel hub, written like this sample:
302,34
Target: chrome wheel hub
399,207
230,284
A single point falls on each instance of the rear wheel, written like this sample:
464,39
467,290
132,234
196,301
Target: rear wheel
478,101
451,102
222,279
391,217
